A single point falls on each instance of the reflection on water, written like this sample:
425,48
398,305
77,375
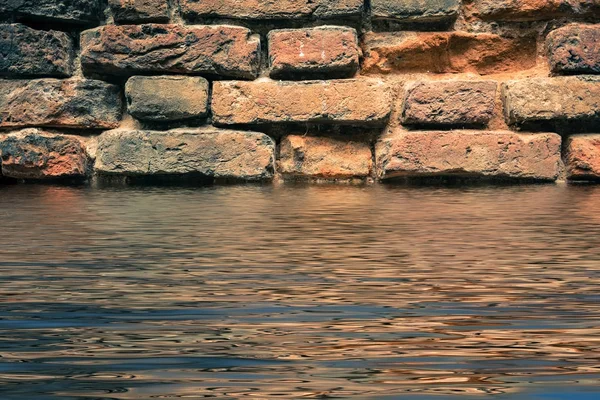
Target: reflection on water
300,292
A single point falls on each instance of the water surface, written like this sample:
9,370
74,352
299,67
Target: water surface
375,292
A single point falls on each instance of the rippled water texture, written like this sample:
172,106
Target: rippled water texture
300,292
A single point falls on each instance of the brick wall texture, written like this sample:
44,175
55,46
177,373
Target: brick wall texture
262,90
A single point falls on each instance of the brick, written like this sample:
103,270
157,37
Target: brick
261,10
575,49
449,103
530,10
421,11
447,52
582,157
223,50
352,101
35,154
489,154
137,11
70,103
210,152
324,51
324,157
69,11
563,99
167,98
28,52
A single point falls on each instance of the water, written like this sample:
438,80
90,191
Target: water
375,292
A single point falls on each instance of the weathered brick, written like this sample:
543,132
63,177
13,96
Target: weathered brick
415,10
529,10
28,52
575,48
167,98
352,101
71,103
539,100
36,154
324,157
210,152
70,11
501,154
324,51
209,49
447,52
449,103
280,9
582,157
136,11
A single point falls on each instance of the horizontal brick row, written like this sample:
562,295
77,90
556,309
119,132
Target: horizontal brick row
84,103
421,11
324,52
226,154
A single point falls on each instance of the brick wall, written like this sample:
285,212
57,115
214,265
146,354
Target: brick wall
300,89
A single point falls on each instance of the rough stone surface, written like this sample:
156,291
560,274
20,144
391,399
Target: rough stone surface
280,9
449,103
28,52
71,11
326,50
324,157
70,103
529,10
214,153
447,52
131,49
415,10
136,11
352,101
583,157
575,49
35,154
167,98
501,154
541,100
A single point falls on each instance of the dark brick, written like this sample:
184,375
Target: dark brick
575,49
28,52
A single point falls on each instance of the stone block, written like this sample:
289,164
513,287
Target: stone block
421,11
271,10
223,50
531,10
68,11
69,103
449,103
35,154
29,52
488,154
582,157
324,51
324,157
575,49
447,52
351,101
139,11
209,152
542,100
167,98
